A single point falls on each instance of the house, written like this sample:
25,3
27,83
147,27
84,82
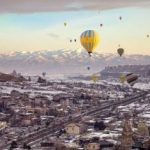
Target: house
3,125
26,119
92,146
100,145
71,146
75,129
142,143
106,145
146,144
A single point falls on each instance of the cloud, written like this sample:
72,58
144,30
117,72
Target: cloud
53,35
31,6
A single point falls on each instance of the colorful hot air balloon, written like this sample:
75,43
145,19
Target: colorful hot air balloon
120,51
131,78
90,40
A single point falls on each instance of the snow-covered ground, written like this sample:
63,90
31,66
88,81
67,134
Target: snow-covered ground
144,86
8,90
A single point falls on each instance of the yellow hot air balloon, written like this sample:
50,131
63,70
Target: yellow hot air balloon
95,78
89,40
122,78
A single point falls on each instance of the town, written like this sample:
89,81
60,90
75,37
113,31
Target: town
39,114
74,74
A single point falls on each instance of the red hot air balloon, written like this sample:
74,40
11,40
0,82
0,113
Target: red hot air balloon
131,78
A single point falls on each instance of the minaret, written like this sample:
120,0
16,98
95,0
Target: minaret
126,139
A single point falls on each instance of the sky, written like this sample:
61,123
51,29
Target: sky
33,25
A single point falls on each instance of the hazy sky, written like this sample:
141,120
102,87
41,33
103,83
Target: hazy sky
30,25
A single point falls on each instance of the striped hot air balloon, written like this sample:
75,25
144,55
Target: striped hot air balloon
131,78
90,40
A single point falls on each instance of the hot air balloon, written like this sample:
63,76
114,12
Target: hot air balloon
70,41
122,78
95,78
90,40
75,40
131,78
101,25
120,18
147,36
88,68
120,51
65,24
43,74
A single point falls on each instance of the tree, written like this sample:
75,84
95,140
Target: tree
41,80
25,146
13,144
47,123
99,125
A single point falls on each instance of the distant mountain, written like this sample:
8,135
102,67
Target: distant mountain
64,61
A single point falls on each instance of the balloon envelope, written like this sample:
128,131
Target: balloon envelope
88,68
65,24
95,78
101,25
131,78
122,78
89,40
120,51
44,74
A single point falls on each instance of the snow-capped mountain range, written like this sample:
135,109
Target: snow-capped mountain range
64,61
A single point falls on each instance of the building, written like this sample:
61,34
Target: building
143,129
100,145
3,125
92,146
75,129
126,141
